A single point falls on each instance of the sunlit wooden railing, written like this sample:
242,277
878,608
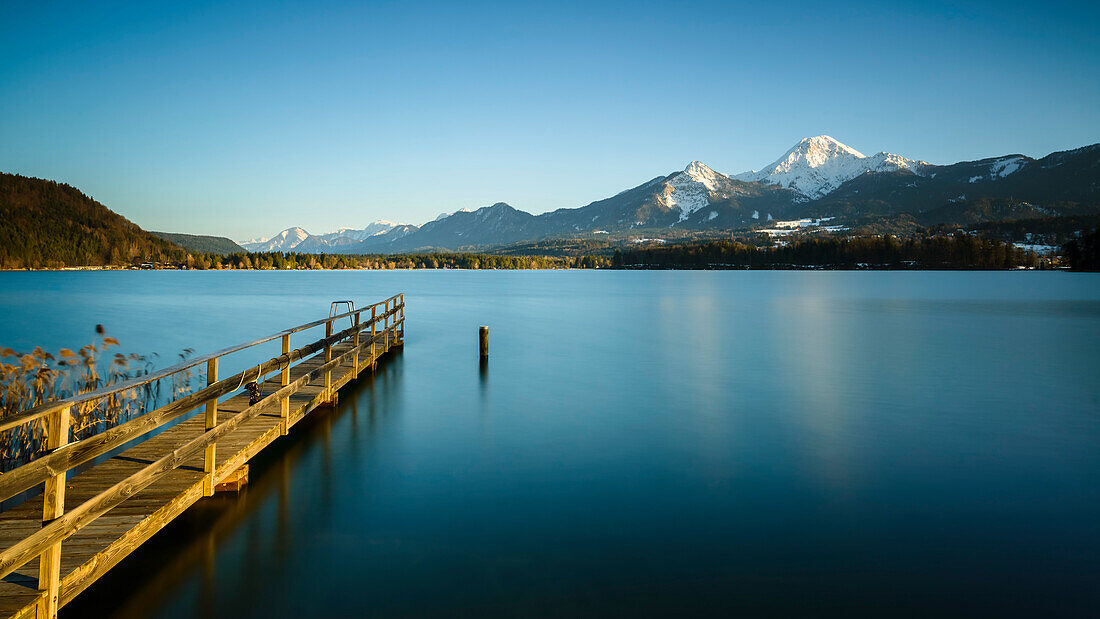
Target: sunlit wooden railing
385,326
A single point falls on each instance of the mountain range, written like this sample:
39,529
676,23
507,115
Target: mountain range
298,240
818,177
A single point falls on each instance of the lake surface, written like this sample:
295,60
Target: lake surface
640,443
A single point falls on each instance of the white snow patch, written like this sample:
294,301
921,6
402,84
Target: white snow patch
712,215
756,214
1003,167
974,179
690,190
807,225
1037,248
380,226
802,223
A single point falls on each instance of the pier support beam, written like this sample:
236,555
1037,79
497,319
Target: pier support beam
234,481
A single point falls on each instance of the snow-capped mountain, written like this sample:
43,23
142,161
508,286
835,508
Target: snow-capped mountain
817,166
343,241
348,237
284,241
696,197
381,241
380,226
691,189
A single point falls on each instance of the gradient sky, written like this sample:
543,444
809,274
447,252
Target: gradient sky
245,120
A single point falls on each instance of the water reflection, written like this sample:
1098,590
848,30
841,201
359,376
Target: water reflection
665,443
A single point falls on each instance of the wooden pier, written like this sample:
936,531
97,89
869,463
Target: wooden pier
139,480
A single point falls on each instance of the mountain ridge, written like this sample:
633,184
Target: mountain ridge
819,176
299,240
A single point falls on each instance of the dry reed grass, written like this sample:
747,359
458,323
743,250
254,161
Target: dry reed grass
35,378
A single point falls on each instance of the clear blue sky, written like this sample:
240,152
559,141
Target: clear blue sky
245,120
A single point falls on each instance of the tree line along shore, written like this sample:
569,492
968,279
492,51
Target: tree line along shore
959,251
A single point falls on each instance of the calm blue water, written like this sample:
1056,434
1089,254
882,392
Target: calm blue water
640,443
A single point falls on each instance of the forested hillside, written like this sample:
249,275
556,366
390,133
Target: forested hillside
49,224
201,243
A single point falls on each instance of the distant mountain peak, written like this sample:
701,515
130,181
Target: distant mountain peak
818,165
700,173
293,232
822,147
691,189
284,241
350,236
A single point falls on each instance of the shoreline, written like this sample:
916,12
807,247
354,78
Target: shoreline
793,267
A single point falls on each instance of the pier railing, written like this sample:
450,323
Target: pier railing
373,329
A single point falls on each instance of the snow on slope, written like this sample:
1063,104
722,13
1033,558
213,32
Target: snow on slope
690,190
375,228
1001,168
1005,166
284,241
818,165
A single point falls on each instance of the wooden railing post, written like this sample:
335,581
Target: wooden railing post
386,328
53,507
209,455
373,331
355,357
284,404
328,357
401,302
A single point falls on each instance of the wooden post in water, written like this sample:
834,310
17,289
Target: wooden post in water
483,342
208,458
284,404
53,507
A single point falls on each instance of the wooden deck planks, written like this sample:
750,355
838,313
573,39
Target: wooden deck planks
99,546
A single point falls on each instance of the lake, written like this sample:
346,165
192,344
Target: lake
639,443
